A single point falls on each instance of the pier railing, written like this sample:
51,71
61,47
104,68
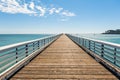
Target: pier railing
13,55
109,52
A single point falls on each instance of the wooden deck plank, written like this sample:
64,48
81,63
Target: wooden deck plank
64,60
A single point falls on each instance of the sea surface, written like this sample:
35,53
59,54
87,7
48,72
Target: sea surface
7,39
114,38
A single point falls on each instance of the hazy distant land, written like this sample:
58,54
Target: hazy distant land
117,31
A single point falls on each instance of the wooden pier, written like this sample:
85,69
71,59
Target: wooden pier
63,60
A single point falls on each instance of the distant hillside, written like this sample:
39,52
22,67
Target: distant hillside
117,31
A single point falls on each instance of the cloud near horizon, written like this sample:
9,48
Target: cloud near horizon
30,8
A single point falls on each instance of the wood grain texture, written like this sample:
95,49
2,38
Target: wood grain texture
63,60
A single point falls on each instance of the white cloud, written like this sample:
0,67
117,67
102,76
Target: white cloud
54,10
14,7
42,10
32,5
58,10
66,13
11,6
11,2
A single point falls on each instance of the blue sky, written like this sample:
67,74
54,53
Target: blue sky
59,16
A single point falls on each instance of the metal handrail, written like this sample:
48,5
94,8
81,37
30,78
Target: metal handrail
107,51
25,48
23,43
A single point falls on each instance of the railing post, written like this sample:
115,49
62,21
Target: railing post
51,39
41,44
48,40
83,42
33,46
115,55
89,45
16,55
38,44
26,50
94,47
73,38
44,42
79,41
102,50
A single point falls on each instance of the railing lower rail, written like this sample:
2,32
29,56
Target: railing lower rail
109,52
13,55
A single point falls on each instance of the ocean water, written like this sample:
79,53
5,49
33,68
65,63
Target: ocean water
7,39
114,38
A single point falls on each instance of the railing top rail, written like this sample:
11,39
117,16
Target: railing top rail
22,43
100,41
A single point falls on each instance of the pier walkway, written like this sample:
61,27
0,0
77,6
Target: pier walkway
63,60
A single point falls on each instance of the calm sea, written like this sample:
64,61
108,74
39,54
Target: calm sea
7,39
104,37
